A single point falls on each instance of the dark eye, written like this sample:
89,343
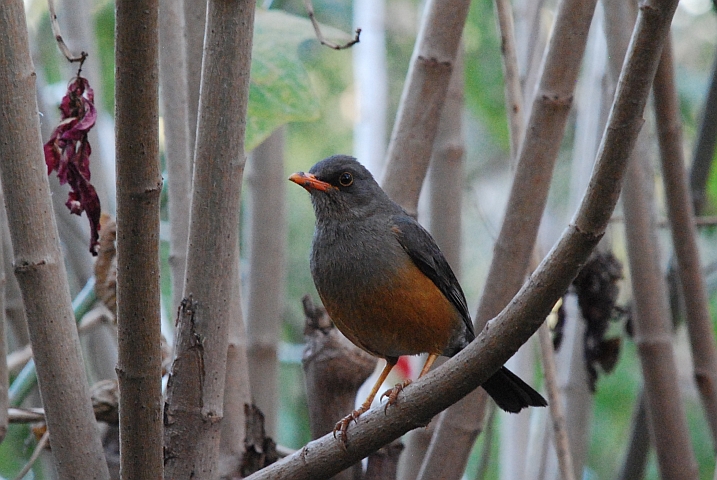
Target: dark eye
346,179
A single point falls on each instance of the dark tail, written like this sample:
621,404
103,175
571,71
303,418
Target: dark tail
511,393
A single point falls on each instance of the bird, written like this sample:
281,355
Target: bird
386,284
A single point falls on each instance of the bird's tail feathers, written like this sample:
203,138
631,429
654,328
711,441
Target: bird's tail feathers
511,393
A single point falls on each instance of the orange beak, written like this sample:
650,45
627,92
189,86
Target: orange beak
310,182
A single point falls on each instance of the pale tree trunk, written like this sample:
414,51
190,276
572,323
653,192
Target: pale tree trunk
237,393
195,16
445,174
424,92
267,246
371,84
530,43
684,237
139,368
193,424
652,326
173,93
537,155
524,315
38,261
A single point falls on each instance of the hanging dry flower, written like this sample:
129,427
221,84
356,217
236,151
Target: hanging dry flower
68,152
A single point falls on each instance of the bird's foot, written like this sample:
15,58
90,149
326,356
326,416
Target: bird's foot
342,425
392,393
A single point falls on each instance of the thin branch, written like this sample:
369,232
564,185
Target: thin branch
320,37
35,455
511,74
562,442
60,42
684,237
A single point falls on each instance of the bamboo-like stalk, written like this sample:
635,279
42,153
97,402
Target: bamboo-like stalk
38,261
237,391
173,95
511,75
139,366
195,17
267,252
525,313
653,331
419,111
684,237
560,432
192,428
537,155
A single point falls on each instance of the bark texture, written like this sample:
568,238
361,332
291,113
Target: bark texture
38,261
139,184
193,424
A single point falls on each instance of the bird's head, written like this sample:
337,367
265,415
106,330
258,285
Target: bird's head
342,189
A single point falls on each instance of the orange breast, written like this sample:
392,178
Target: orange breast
406,316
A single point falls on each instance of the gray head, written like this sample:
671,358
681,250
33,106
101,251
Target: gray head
342,189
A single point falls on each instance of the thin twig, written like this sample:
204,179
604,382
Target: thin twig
320,36
60,42
35,454
513,89
562,442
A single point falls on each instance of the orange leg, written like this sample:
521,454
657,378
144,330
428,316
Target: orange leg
392,394
343,424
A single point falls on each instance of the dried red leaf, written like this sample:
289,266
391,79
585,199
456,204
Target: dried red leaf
68,152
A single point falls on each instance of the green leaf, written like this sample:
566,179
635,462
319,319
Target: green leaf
280,90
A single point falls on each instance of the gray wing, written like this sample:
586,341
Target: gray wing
424,252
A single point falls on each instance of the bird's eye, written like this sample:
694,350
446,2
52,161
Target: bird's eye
346,179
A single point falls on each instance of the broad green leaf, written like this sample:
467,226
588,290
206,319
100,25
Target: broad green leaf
280,90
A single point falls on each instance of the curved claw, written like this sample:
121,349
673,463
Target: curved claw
392,394
342,426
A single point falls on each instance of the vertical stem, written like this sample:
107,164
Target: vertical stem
139,367
267,247
173,91
38,261
653,335
560,432
193,425
684,237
